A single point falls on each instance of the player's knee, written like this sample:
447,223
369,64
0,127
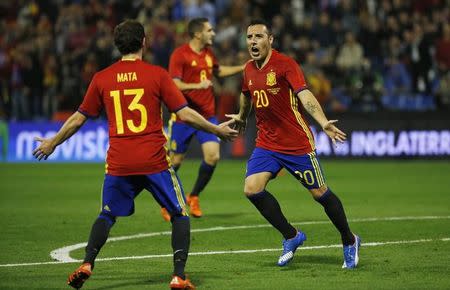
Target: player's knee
212,158
251,188
318,192
176,159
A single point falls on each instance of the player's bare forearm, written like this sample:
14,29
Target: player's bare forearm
197,121
312,106
240,119
245,106
225,71
70,127
182,86
48,145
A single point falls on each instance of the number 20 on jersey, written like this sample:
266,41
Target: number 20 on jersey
262,100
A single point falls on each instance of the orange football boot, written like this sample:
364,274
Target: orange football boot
194,204
165,214
79,276
178,283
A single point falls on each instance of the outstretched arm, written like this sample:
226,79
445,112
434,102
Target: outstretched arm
225,71
182,86
197,121
70,127
240,119
313,108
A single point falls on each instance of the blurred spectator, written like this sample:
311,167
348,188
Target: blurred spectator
370,40
200,8
397,80
443,92
351,54
443,49
418,51
323,32
50,49
20,105
319,85
50,82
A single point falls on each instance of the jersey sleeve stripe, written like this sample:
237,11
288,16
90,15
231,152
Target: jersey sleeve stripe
181,107
86,114
298,116
299,90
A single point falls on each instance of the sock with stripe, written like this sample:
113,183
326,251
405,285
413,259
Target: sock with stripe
204,176
181,236
98,236
269,207
335,212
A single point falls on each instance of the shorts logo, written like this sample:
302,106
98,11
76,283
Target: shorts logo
106,207
271,79
193,63
250,83
173,145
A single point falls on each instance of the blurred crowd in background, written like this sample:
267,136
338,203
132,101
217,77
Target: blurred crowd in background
360,55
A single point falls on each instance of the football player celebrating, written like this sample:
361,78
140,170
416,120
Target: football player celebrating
275,85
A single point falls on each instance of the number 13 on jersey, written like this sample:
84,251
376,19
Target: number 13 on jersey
134,105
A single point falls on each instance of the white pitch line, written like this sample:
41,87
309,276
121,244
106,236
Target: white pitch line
63,254
370,244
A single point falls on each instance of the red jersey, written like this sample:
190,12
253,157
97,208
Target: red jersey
131,92
273,90
191,67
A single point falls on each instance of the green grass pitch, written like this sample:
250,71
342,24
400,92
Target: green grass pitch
45,206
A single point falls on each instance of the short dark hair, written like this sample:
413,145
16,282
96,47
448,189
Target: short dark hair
128,36
261,22
196,25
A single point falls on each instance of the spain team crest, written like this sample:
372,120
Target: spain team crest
209,61
271,79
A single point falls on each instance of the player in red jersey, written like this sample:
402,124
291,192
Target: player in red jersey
275,84
131,92
192,67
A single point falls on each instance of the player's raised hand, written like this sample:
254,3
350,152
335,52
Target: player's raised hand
226,132
45,149
205,84
333,132
239,124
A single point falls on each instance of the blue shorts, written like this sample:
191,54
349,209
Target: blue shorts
119,192
305,168
181,135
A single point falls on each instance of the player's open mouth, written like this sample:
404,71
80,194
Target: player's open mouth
254,51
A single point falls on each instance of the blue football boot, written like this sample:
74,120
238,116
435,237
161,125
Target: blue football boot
351,254
289,248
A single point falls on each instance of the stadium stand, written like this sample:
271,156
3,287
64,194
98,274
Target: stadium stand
360,56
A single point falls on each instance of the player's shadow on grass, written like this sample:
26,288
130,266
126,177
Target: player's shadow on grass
226,215
300,260
137,281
